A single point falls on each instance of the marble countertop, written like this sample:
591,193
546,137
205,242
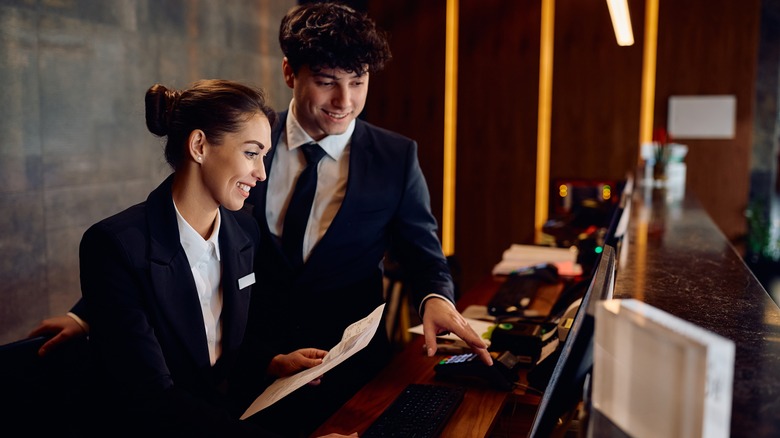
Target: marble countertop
676,259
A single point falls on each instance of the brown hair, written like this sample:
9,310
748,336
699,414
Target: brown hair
332,35
215,106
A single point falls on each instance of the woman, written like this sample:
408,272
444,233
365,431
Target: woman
167,282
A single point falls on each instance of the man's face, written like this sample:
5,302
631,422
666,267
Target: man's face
326,102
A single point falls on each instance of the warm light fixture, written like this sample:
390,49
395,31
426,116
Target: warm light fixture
621,22
544,118
450,127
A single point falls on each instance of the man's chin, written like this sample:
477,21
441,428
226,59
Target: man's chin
337,127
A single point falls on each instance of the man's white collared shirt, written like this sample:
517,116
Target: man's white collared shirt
332,173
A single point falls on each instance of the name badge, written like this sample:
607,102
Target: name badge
246,280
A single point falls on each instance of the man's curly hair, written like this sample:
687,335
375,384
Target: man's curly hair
332,35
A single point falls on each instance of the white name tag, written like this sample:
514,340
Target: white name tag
246,280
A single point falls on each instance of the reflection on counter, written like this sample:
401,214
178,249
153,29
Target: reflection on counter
679,261
665,167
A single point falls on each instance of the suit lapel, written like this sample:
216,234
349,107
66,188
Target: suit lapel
171,276
237,262
259,195
259,200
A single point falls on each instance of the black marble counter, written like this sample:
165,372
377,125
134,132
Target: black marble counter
674,258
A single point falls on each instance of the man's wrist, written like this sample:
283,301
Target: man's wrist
429,296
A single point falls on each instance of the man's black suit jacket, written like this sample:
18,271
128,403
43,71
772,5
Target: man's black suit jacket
386,209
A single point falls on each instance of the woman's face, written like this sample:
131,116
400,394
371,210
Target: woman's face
231,169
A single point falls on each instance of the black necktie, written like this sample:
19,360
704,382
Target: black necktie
300,205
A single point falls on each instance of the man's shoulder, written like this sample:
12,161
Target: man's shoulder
243,219
380,133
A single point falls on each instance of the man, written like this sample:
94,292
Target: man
370,200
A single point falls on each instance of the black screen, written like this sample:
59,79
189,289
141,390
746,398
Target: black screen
565,389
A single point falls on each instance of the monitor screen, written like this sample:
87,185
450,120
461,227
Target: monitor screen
565,388
619,220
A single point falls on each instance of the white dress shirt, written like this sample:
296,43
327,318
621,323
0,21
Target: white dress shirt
332,173
204,258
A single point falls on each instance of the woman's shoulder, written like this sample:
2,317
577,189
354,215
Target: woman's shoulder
130,217
157,209
126,229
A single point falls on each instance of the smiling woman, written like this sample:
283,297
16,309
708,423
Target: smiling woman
157,313
218,133
167,282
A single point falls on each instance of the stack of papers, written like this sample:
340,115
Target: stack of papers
523,256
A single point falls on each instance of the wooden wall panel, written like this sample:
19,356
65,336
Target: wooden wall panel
408,96
710,47
705,47
596,93
497,106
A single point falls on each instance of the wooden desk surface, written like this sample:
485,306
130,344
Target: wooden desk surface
475,416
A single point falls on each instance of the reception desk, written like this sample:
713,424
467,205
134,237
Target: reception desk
672,257
675,258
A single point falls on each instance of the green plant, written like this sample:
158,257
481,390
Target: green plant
661,152
761,243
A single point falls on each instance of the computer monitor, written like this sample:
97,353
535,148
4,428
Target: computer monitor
593,231
619,220
565,388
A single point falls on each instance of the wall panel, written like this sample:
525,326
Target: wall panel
596,92
408,96
497,105
704,47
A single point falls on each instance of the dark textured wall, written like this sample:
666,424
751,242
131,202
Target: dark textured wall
73,144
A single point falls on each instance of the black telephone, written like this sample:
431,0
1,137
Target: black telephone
519,289
501,375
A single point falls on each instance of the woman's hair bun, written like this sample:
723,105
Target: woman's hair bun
160,103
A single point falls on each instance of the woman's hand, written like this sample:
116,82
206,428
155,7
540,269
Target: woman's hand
283,365
63,328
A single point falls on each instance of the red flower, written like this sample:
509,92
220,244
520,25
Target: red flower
661,141
661,136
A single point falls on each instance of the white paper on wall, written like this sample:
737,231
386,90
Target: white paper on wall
702,117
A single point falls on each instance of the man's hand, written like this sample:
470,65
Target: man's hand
439,317
64,328
283,365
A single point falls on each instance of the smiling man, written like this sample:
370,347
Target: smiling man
371,199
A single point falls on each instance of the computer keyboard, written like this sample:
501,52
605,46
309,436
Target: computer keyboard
420,411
